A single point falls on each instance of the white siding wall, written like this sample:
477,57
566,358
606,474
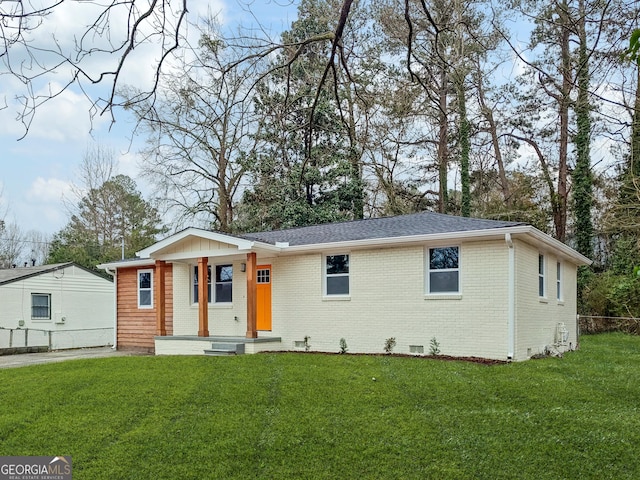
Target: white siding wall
538,318
86,302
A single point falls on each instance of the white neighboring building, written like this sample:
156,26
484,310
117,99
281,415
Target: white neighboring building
62,306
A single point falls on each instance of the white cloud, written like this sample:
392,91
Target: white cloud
43,208
128,164
48,190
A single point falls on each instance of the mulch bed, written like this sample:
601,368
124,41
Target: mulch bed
480,360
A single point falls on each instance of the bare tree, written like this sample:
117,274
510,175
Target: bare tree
36,247
98,166
11,245
201,132
97,53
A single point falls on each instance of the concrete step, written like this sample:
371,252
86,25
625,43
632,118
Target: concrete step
225,349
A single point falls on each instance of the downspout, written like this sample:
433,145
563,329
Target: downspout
114,274
511,300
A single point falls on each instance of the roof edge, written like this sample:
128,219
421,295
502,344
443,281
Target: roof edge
388,241
137,262
521,230
54,268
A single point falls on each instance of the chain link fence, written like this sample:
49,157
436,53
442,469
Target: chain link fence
11,338
591,324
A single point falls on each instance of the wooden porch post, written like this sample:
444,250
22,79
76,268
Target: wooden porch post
252,301
203,298
160,287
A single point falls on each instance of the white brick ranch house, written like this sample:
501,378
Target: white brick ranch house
492,289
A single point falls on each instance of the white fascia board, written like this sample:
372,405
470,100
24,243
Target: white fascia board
241,243
558,247
142,262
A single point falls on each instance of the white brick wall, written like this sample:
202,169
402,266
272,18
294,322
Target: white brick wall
223,319
387,299
183,316
537,318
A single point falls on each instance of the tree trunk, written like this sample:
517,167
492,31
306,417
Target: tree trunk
582,176
635,129
560,204
493,133
443,153
464,149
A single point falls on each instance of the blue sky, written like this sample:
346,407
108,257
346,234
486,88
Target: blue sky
36,172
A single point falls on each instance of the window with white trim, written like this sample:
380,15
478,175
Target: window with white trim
41,306
337,274
224,284
443,270
559,281
222,287
541,271
145,288
195,284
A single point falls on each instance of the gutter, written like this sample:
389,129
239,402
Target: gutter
511,299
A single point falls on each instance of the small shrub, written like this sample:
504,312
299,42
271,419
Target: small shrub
434,347
343,346
389,344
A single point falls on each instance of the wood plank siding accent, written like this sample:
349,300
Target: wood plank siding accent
137,326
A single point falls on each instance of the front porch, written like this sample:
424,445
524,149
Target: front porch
197,345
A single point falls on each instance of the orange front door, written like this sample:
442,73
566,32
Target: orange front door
263,284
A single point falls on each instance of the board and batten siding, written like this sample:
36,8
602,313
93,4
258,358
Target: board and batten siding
137,326
198,245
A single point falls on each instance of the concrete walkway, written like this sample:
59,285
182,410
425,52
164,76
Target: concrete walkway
23,359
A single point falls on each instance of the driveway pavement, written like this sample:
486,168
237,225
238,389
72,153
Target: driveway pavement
23,359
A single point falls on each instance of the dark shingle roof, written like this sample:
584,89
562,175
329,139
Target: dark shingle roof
8,275
424,223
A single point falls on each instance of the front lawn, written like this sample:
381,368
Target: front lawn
324,416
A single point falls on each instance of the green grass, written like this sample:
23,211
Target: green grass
322,416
